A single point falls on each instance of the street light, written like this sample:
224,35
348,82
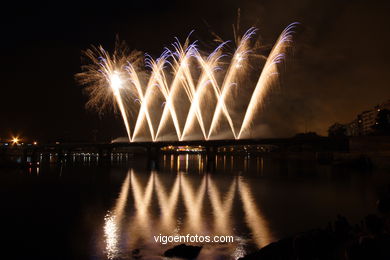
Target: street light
15,140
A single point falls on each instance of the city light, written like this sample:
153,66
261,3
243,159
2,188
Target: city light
15,140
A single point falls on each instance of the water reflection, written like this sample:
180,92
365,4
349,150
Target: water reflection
221,206
159,203
193,200
168,205
113,220
111,236
253,216
141,224
119,210
116,210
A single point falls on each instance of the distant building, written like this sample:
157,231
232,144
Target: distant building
364,122
353,128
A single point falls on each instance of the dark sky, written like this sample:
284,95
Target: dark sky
339,65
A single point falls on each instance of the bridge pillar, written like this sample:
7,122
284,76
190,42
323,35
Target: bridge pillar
153,155
34,156
68,156
105,155
211,152
60,156
23,159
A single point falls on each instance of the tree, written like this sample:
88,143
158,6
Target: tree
337,129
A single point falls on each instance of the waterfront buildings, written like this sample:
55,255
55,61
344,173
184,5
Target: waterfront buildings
364,122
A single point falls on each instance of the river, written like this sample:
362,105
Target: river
84,210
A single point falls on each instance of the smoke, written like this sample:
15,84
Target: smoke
338,65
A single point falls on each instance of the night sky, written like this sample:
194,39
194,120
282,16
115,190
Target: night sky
339,65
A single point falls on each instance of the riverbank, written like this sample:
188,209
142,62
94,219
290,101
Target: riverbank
339,240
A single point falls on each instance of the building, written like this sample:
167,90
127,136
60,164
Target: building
353,128
364,122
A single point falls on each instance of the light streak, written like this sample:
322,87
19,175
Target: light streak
126,229
267,77
221,207
254,218
181,69
113,221
167,203
116,85
193,202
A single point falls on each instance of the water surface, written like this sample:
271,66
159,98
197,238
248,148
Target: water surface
88,211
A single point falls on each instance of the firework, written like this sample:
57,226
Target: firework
105,80
192,90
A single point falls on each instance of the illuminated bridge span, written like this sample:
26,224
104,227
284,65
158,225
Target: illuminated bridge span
314,144
210,148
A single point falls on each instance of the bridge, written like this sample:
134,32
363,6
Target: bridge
153,149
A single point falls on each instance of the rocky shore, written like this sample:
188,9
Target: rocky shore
340,240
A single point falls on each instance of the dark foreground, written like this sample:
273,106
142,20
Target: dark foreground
369,239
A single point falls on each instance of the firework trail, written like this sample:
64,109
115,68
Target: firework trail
268,76
105,81
121,79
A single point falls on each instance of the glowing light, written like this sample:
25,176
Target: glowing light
110,233
15,140
267,77
182,78
112,221
115,82
254,218
142,200
104,82
221,207
167,203
193,202
123,230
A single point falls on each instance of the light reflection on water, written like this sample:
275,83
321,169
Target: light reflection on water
113,221
257,200
106,210
184,206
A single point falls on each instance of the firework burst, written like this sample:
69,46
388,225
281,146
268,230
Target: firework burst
180,81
